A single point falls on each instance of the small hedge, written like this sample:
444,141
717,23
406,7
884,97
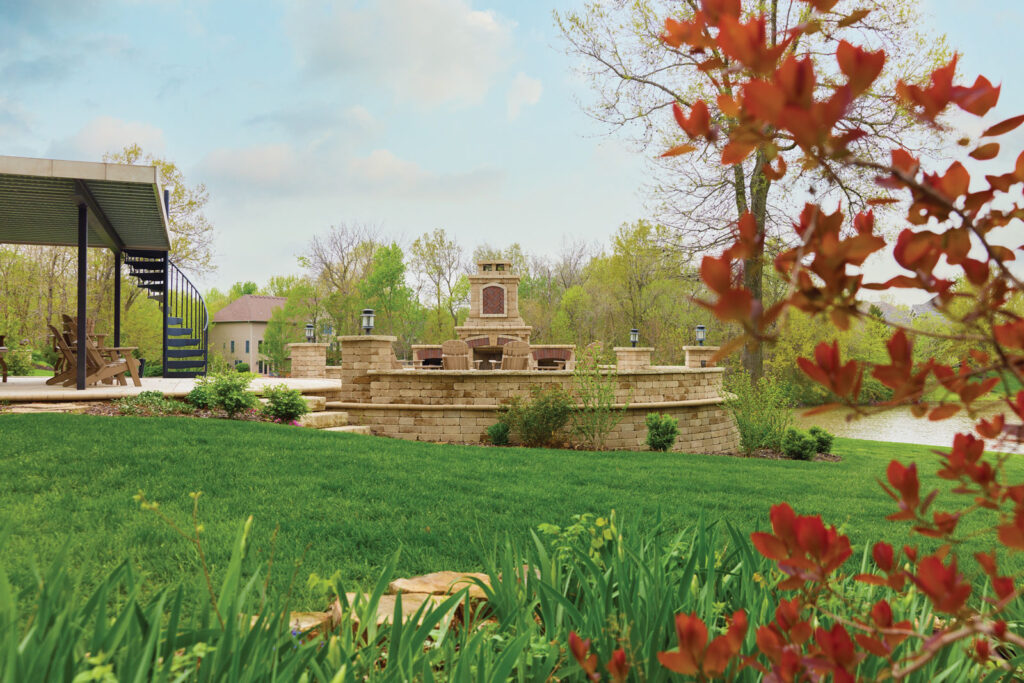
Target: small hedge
799,445
662,431
284,404
498,433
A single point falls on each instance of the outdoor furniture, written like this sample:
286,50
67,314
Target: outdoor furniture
98,367
3,363
515,355
456,355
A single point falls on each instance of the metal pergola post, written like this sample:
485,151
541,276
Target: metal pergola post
83,249
117,297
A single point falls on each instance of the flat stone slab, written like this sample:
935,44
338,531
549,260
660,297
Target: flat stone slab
324,419
47,407
442,583
350,429
33,389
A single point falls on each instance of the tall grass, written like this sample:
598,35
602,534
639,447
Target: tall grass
623,593
761,411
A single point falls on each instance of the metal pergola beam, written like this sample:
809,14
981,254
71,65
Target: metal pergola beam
103,225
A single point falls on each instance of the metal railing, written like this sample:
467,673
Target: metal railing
183,300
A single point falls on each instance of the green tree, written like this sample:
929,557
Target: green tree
438,262
385,290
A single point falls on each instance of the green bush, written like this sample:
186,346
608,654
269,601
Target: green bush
662,431
241,367
201,397
761,411
151,404
822,439
498,433
594,390
153,369
799,445
230,392
19,360
538,419
284,404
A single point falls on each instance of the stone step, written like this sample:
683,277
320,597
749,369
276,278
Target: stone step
350,429
315,403
324,419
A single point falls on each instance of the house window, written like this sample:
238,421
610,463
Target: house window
232,346
247,346
259,346
259,365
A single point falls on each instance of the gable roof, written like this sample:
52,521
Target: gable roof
250,308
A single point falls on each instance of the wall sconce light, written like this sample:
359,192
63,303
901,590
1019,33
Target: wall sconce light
367,319
634,336
702,333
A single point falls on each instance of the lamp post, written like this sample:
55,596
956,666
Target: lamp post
634,336
310,333
367,319
702,333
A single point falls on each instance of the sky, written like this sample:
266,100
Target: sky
410,115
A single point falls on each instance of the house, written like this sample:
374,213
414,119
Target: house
238,329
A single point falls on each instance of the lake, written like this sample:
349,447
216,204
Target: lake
899,425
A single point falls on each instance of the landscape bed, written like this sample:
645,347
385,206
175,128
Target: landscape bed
348,502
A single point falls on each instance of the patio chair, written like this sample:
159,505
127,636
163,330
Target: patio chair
515,355
455,355
97,367
3,363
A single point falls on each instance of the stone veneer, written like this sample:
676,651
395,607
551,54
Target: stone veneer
459,405
696,354
308,360
633,357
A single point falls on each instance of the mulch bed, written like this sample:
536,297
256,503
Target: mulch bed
111,410
769,454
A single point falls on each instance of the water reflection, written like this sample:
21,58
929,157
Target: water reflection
900,426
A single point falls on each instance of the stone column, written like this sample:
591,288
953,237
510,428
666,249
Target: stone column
308,360
633,358
360,354
700,356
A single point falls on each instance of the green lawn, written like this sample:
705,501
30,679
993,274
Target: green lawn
353,500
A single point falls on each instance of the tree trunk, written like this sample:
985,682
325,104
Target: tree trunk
753,268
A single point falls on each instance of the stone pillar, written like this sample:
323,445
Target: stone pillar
360,354
633,358
700,356
308,360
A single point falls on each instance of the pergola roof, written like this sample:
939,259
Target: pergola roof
39,201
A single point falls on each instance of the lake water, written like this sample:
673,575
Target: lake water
900,426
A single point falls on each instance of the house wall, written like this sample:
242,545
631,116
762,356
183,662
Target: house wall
222,334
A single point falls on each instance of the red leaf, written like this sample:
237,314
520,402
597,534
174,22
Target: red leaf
736,152
769,546
978,98
853,17
684,148
985,152
942,412
1004,126
860,66
883,556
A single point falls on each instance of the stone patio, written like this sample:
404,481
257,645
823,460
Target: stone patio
35,389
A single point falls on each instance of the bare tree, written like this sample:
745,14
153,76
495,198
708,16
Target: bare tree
439,265
637,78
339,260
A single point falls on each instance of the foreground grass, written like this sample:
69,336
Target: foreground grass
347,502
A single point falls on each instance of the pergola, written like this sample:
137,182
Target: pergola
78,204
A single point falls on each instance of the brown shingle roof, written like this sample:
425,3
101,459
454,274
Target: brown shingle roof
249,308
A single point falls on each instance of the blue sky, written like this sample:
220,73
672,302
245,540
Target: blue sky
409,114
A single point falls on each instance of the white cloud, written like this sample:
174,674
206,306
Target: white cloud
427,51
265,166
523,91
383,172
106,134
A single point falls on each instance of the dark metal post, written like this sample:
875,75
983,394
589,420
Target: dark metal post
117,298
167,275
83,245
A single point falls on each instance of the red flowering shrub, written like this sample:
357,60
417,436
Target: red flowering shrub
765,91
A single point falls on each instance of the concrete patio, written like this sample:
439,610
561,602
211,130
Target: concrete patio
24,389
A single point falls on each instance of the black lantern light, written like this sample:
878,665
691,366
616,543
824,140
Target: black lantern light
310,333
634,336
367,319
702,333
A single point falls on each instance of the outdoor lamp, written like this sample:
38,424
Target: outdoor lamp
310,333
702,333
367,320
634,336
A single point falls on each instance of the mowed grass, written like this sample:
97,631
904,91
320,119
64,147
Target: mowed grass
346,503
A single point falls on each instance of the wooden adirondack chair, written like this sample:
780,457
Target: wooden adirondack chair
515,355
455,355
97,367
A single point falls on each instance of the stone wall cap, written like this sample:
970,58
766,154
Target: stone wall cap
367,337
649,370
309,344
701,348
633,348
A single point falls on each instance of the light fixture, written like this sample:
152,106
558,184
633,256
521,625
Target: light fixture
702,333
634,336
367,318
310,333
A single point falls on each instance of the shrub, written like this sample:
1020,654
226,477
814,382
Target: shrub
241,367
822,439
594,390
662,431
19,360
216,363
153,369
498,433
799,445
538,419
761,412
151,403
201,396
284,404
230,392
